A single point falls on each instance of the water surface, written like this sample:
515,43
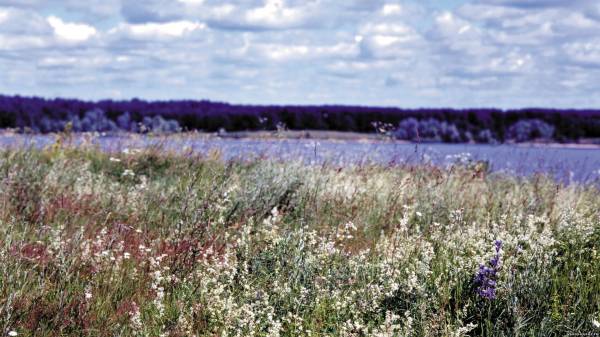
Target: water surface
564,163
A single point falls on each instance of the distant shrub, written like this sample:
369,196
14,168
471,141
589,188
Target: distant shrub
450,133
124,122
93,121
486,136
96,120
49,125
468,137
529,129
429,130
408,129
157,124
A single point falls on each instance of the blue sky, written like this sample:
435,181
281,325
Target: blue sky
450,53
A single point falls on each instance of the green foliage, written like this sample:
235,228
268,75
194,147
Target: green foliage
148,243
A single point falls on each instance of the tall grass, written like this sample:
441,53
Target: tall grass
147,243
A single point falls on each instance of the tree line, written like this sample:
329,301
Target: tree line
486,125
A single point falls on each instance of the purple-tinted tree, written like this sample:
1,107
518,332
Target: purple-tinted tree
530,129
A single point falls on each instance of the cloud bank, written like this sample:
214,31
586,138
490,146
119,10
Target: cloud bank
502,53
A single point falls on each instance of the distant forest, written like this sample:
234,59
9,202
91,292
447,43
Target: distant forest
33,114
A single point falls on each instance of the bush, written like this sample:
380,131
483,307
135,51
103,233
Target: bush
157,124
408,129
486,136
428,130
529,129
94,121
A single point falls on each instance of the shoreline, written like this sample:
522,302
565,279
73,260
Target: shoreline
334,136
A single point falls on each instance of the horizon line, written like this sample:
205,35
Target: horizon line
397,107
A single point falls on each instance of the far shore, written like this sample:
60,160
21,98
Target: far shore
375,137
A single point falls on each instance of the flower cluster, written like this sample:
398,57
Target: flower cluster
487,276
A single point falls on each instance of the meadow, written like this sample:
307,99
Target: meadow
149,242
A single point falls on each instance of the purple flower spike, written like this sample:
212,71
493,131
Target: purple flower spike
486,277
498,244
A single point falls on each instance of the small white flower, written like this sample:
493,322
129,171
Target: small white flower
88,295
12,333
128,173
419,214
595,323
115,160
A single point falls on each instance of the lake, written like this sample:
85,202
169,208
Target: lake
567,164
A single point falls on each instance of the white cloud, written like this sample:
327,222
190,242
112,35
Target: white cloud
391,9
21,42
274,13
388,39
453,34
278,52
192,2
150,31
3,15
71,32
584,52
72,61
23,30
16,21
270,15
534,4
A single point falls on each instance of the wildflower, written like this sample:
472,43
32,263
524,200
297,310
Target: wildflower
486,277
463,331
135,316
350,226
13,333
595,323
115,160
128,173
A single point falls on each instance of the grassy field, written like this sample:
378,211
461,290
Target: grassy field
146,243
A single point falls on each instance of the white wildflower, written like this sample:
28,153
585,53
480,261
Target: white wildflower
88,293
135,317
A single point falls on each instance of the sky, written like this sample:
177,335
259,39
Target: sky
410,53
